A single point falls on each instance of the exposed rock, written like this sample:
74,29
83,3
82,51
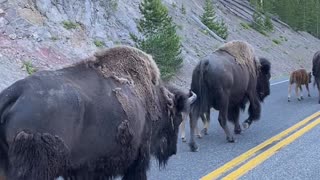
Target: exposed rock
33,30
32,16
12,36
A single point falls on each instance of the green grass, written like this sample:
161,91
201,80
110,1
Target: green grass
183,9
205,32
245,25
69,25
276,41
54,38
29,67
98,43
283,38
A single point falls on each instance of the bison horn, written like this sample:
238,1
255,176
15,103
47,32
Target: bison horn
192,98
169,97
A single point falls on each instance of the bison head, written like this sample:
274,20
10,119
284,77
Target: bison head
263,83
165,138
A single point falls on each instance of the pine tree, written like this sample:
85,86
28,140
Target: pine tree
208,18
160,37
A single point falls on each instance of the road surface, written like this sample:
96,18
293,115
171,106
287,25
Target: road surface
296,157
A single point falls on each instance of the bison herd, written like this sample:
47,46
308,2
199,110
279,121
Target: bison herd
107,115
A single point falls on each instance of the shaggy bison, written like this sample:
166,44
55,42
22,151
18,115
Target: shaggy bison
100,118
226,80
299,77
316,71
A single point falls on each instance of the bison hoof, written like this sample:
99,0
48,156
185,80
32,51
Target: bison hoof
199,136
309,95
288,100
230,139
184,139
299,99
237,131
204,131
193,147
245,125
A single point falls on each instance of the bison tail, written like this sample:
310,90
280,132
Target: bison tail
37,157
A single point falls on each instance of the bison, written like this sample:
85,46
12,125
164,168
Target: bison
316,71
299,77
100,118
226,80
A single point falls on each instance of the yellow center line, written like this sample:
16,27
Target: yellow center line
236,161
268,153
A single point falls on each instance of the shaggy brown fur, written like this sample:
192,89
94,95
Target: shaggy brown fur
243,53
132,66
299,77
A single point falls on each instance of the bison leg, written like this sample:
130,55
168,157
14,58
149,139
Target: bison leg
289,92
3,165
37,156
198,133
233,115
301,95
193,124
183,127
254,111
307,87
297,92
206,121
3,160
223,113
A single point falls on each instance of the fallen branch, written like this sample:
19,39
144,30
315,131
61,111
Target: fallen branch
236,12
207,29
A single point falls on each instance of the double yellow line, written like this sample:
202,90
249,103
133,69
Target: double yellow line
258,159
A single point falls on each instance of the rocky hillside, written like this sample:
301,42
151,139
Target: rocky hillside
47,34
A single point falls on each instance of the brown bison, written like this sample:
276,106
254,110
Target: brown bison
100,118
316,71
299,77
226,80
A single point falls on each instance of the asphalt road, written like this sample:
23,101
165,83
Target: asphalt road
298,160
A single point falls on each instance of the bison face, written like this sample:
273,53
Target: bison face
164,143
263,81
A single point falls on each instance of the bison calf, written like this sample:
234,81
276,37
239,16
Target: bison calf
299,77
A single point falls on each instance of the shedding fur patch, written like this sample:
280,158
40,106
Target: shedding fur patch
243,53
129,65
127,61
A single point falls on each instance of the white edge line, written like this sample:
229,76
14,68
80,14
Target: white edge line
279,82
